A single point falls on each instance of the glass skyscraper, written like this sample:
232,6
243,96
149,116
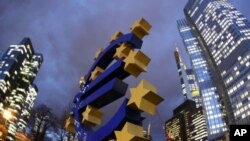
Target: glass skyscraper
188,122
224,35
189,85
211,100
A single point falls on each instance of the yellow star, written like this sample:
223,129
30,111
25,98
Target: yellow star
116,36
122,51
140,28
98,53
130,132
136,62
91,116
95,73
144,97
69,126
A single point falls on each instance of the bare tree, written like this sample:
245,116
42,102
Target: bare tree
41,120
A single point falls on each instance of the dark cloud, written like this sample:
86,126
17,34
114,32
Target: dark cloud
69,32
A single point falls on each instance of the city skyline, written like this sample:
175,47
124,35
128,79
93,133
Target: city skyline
65,46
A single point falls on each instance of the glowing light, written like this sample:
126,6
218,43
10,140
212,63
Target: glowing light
7,114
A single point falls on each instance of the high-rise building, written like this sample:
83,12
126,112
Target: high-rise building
175,130
215,117
224,34
187,124
19,66
189,85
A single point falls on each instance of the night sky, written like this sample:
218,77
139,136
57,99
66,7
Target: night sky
69,32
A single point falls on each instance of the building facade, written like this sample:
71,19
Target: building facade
225,37
19,66
187,124
215,116
189,85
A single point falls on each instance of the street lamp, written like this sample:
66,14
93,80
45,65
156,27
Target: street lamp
7,114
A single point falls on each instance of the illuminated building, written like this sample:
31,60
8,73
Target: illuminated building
190,89
224,36
187,124
18,68
211,102
174,128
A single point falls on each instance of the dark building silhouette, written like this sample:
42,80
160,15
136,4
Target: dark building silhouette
187,124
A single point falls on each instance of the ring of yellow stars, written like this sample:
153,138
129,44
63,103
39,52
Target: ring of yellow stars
92,116
130,132
69,126
122,51
116,36
95,73
140,28
136,63
144,97
98,53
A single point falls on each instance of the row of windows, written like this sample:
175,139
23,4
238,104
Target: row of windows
236,87
218,131
242,110
232,74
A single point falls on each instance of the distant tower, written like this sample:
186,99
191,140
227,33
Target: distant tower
188,122
190,89
19,66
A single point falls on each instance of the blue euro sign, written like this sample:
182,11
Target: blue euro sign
105,89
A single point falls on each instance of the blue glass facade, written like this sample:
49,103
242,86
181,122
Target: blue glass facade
225,35
211,102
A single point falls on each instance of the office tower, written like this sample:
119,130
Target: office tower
190,89
224,36
214,114
187,124
19,66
